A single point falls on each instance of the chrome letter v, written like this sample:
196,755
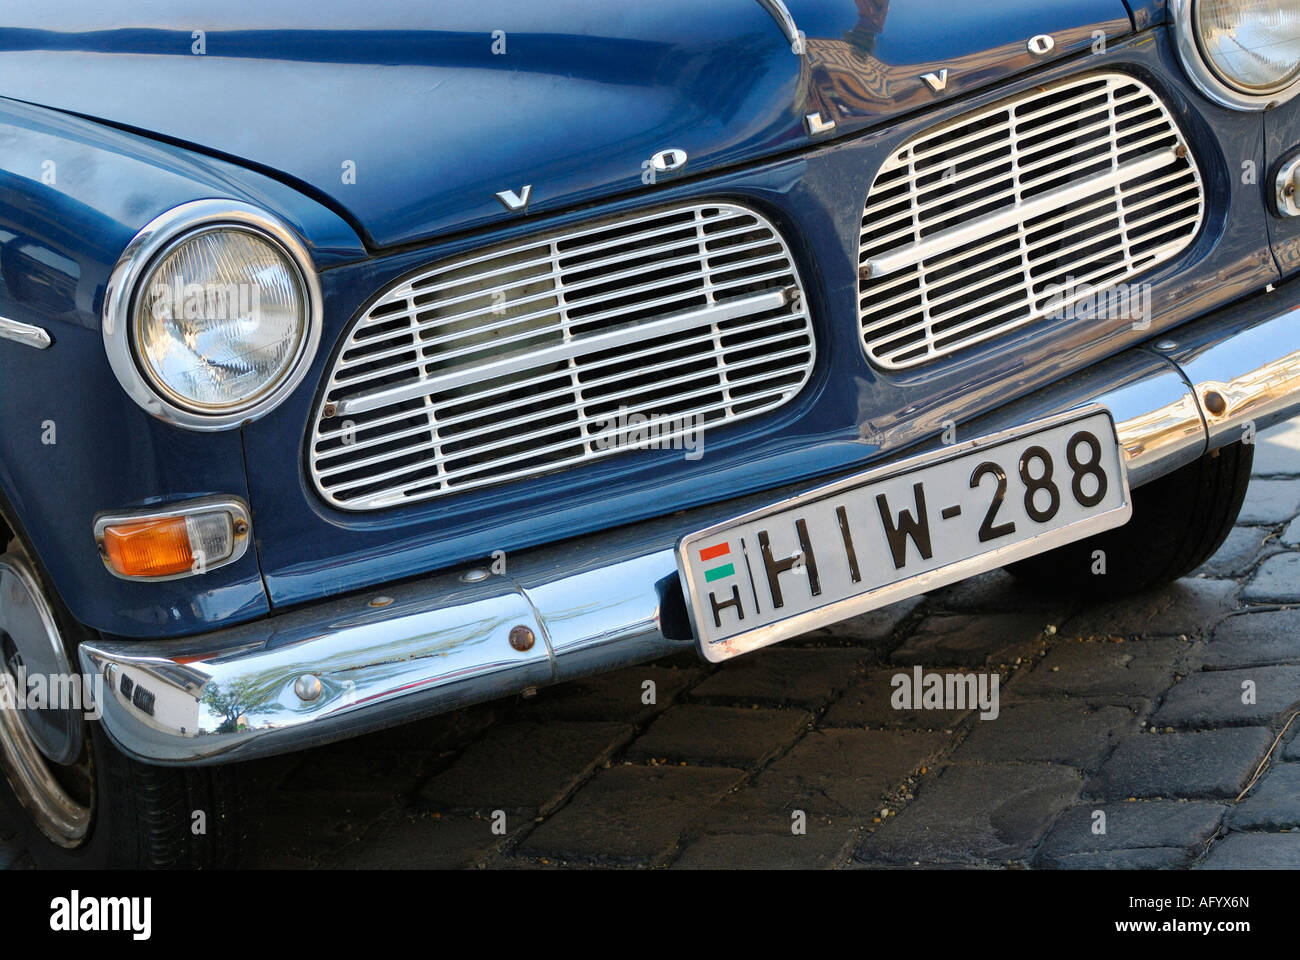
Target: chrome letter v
516,201
937,81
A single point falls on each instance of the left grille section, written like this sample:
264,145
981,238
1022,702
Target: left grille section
518,361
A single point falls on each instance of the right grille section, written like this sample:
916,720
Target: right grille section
1020,210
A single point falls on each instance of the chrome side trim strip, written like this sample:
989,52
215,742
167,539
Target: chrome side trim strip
613,599
25,333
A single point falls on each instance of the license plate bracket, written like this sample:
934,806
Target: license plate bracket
900,529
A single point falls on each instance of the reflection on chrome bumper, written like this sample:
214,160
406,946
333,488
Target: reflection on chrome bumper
340,668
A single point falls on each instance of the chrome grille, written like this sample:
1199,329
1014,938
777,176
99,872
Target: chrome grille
1025,208
520,360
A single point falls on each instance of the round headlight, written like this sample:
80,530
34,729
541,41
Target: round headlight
1252,44
1241,53
212,314
220,320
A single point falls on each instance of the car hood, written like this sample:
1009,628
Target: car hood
408,118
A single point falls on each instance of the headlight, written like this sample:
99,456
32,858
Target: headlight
1241,53
212,314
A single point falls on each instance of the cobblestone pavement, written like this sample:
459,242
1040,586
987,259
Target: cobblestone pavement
1125,738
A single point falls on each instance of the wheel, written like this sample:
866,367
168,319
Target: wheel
1179,521
79,801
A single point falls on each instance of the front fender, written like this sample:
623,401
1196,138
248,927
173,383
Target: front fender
72,444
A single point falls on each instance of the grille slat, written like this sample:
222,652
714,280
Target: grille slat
1085,183
505,364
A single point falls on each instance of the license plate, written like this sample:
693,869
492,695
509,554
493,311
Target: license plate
902,529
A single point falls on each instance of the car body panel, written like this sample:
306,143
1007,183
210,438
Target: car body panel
1282,132
407,122
72,444
850,414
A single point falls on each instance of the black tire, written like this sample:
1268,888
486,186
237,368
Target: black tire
141,816
1179,521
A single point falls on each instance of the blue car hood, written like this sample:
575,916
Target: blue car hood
408,117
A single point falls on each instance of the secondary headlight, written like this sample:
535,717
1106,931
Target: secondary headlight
1242,53
212,314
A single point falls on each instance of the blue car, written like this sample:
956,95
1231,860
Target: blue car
359,363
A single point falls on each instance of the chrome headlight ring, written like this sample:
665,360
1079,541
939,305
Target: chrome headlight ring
1206,78
147,249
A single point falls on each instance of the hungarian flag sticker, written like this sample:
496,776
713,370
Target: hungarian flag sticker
721,552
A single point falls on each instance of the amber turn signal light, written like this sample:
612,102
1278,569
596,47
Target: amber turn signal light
175,543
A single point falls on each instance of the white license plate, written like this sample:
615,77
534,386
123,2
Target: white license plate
902,529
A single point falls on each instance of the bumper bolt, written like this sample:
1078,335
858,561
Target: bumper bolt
381,601
307,687
1215,403
474,575
521,638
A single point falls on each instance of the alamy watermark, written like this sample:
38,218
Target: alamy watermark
204,301
946,691
637,431
1122,301
78,693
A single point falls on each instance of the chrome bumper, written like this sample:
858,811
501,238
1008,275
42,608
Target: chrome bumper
356,664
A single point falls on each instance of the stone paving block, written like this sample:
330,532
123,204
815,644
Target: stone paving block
971,639
1099,669
843,773
773,675
996,592
524,766
869,703
617,696
1291,744
995,812
1244,548
1254,851
1291,535
873,629
310,828
630,814
1052,731
818,849
1188,607
1214,698
1272,804
1145,858
750,810
1277,580
1130,826
424,841
1270,501
725,736
1214,764
1250,639
1277,449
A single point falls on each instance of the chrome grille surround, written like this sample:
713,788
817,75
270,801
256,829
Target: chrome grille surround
517,361
1019,210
